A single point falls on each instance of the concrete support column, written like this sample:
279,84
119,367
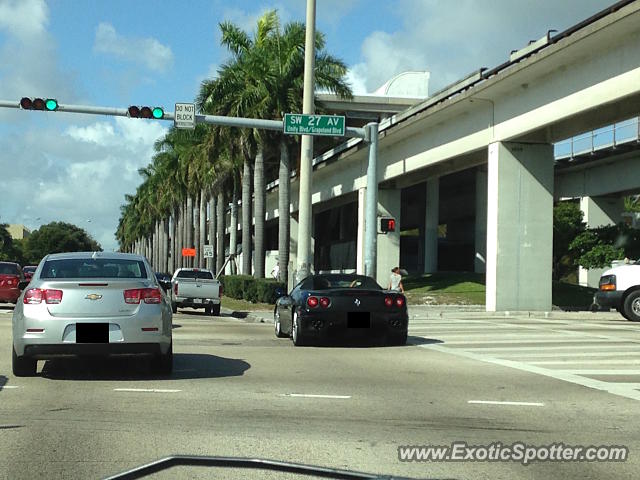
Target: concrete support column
519,227
388,244
598,212
293,251
480,260
360,237
431,226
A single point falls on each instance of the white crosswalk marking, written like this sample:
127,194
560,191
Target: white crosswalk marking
598,354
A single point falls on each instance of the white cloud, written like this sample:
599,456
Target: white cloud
451,39
78,175
24,18
147,51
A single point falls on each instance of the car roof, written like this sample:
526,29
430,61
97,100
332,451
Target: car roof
9,263
104,255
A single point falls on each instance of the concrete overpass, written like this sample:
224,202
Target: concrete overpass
499,125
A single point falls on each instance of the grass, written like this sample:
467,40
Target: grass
463,288
243,306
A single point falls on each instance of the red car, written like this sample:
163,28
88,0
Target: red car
10,276
28,272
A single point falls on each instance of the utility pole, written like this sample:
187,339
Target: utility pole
305,256
371,204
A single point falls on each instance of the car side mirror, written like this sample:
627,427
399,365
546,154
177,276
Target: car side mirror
23,284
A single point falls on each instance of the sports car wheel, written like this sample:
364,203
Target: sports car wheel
397,338
277,326
296,334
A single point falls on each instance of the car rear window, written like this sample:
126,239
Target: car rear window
202,274
9,269
29,269
93,268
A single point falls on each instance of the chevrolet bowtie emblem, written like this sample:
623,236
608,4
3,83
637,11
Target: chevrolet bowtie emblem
357,302
93,296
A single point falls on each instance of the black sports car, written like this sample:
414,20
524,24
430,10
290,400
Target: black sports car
348,306
165,280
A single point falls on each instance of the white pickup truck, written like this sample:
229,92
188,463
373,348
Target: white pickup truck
619,288
195,288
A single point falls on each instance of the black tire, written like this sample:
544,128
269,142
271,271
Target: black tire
277,326
163,363
174,307
631,307
297,336
208,310
23,366
397,339
215,310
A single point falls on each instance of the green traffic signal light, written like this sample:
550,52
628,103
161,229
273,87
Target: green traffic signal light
157,113
51,104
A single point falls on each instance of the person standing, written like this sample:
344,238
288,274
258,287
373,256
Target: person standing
395,282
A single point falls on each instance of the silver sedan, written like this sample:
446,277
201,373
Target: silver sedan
92,303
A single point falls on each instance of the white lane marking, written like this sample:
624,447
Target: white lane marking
542,347
587,371
522,356
629,361
531,339
310,395
616,389
152,390
495,402
6,387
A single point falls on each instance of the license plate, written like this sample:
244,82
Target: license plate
92,333
197,300
358,320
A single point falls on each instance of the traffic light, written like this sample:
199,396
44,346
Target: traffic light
146,112
49,104
387,225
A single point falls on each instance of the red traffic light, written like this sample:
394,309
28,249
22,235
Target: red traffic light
145,112
387,225
134,112
36,104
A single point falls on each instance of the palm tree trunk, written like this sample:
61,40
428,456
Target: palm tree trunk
233,230
246,217
164,258
189,219
184,232
196,231
180,235
172,242
211,262
284,199
259,198
203,227
220,224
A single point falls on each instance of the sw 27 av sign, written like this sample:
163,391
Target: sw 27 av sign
326,125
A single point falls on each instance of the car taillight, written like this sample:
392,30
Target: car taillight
325,302
34,296
312,302
220,290
388,301
399,301
175,288
147,295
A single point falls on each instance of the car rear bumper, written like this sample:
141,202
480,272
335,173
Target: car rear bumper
48,351
9,295
190,302
336,326
611,298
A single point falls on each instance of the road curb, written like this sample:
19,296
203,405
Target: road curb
248,317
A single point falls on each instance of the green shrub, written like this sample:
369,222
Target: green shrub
266,290
245,287
235,285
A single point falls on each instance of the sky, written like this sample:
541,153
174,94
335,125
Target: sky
77,168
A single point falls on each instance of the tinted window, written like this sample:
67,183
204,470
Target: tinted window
29,269
193,274
325,282
9,269
93,268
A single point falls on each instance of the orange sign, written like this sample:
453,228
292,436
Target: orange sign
188,252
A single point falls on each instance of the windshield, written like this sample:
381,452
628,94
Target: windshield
93,268
9,269
195,274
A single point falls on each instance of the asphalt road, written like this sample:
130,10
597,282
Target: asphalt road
239,391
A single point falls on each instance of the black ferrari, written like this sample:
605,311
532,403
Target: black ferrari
341,306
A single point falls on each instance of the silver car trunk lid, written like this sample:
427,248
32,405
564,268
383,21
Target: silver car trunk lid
94,298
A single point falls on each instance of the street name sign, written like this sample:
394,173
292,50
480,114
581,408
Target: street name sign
208,251
185,115
322,125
